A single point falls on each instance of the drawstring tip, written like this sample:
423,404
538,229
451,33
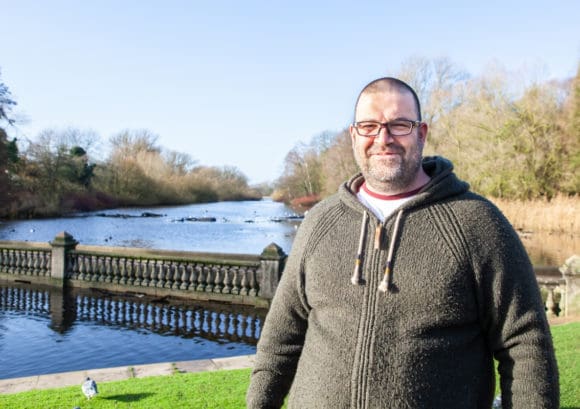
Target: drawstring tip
384,286
357,280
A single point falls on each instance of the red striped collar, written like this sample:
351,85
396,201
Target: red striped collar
390,197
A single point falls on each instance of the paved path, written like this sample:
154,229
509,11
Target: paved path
63,379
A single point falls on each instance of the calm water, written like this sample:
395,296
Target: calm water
45,332
240,227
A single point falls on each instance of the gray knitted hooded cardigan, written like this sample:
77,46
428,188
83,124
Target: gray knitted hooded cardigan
439,289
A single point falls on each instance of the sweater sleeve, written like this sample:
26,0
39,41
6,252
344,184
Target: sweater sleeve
282,337
514,318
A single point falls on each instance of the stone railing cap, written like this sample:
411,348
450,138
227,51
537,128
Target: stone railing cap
64,239
273,251
571,266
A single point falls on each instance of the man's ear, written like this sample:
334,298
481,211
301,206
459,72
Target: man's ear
423,130
352,132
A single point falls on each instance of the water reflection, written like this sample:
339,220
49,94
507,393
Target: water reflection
79,321
164,316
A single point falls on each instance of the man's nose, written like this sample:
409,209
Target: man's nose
384,137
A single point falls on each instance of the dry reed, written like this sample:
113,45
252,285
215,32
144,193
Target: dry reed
560,215
549,229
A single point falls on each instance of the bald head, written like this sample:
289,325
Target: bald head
389,85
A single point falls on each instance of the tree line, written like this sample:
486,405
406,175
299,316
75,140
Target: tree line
509,139
58,173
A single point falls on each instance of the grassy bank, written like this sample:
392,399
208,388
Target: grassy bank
226,389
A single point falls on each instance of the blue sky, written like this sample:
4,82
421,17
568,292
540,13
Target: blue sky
240,83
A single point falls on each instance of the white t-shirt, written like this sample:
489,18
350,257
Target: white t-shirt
383,205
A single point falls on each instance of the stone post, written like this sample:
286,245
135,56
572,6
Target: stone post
62,243
571,272
272,262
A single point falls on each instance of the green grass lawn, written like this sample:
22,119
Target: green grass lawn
227,389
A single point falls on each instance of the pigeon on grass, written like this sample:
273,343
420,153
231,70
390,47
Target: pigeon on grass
89,388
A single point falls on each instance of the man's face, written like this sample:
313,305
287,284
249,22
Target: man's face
388,163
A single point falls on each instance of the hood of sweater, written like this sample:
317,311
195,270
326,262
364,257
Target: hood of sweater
443,184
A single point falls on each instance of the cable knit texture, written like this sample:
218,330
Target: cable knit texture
461,292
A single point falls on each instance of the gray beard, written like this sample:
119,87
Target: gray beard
393,178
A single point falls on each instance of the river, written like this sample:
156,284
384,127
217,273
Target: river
245,227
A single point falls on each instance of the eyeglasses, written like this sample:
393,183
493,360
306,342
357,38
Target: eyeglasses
398,127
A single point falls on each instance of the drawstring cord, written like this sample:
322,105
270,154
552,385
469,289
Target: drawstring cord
384,285
357,278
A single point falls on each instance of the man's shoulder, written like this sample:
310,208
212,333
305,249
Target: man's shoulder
322,209
478,214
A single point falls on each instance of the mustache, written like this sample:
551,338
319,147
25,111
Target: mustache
379,150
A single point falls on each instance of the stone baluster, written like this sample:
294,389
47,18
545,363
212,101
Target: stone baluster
47,262
244,281
161,274
146,273
227,281
73,266
571,273
236,280
11,268
121,271
35,267
114,270
28,262
550,304
81,267
44,262
218,280
252,283
17,262
102,266
209,283
201,281
168,273
173,278
185,271
93,271
154,273
195,274
137,277
125,278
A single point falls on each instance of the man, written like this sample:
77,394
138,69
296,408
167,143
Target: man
441,286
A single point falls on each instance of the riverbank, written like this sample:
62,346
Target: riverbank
75,378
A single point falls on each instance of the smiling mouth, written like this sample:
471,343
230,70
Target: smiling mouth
384,153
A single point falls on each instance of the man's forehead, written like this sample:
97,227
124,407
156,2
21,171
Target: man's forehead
380,98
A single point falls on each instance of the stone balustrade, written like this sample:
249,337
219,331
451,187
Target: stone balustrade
231,278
